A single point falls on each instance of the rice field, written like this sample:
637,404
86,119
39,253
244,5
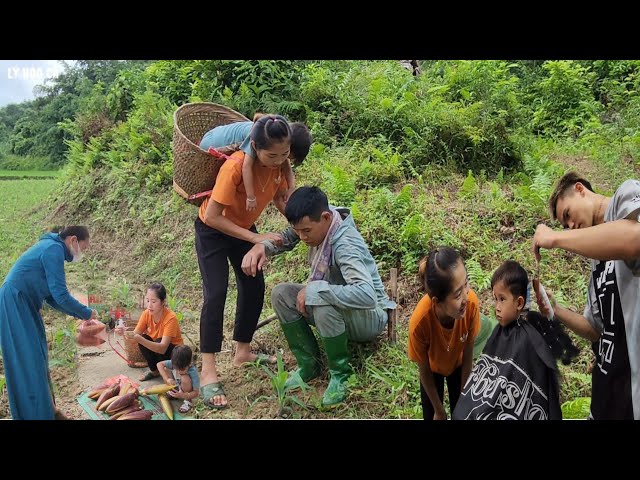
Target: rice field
21,213
19,174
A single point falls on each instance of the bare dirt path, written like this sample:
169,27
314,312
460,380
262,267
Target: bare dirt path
243,385
95,365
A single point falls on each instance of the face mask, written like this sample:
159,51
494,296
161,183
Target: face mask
77,254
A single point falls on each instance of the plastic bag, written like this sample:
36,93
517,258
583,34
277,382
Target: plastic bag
91,334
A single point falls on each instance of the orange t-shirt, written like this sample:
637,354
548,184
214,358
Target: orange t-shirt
167,327
229,190
428,339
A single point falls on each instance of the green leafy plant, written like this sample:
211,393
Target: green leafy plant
386,388
63,346
176,306
469,186
281,393
121,295
479,278
578,408
563,99
93,273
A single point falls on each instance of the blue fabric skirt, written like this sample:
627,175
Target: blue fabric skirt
25,356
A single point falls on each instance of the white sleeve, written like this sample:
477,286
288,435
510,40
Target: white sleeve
627,205
626,201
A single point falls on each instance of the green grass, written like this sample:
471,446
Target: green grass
13,174
21,217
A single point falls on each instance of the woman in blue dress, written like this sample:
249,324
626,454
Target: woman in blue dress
36,277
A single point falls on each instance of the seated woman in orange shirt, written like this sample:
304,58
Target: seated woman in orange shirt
442,330
157,331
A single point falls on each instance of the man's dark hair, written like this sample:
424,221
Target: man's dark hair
564,185
306,202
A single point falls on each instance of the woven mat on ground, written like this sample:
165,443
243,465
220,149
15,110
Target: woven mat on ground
150,402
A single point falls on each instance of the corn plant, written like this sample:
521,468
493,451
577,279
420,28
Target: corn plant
121,294
278,381
93,271
175,305
63,346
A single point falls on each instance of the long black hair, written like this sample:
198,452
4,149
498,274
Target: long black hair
270,129
436,269
159,290
516,280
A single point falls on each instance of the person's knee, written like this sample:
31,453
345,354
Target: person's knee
215,296
278,294
284,295
328,320
186,384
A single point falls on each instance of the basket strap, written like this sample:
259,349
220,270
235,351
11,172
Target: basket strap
219,155
114,349
184,194
179,190
214,153
199,195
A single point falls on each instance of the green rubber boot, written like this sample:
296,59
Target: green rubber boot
304,346
338,359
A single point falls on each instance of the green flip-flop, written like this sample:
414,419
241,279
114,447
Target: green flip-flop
264,359
261,359
148,376
211,390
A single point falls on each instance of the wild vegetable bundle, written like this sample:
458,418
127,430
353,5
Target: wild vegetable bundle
120,401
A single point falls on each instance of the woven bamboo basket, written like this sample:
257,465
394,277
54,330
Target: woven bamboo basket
131,347
195,170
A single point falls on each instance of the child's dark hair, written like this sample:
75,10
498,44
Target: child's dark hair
270,129
159,290
435,271
300,142
516,280
306,202
181,356
79,231
513,276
